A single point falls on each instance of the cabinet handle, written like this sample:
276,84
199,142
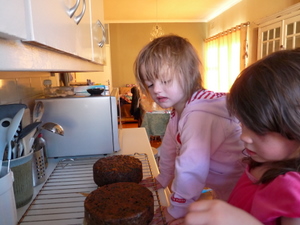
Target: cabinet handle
102,42
72,10
79,17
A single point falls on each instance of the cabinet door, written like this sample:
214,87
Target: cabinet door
12,19
49,25
279,31
292,32
269,39
98,31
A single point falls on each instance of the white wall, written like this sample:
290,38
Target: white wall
23,87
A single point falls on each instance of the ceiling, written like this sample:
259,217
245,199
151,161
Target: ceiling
148,11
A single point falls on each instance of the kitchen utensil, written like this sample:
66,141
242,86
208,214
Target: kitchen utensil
11,131
4,125
38,167
38,111
26,130
7,112
26,120
25,136
54,128
20,149
40,144
14,150
27,141
10,110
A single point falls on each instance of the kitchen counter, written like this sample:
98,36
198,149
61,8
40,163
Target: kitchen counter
136,140
132,140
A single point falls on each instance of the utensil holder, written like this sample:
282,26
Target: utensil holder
7,199
22,186
38,167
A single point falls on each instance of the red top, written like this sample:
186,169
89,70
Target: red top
268,202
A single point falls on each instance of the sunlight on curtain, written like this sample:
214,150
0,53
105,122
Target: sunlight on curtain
223,59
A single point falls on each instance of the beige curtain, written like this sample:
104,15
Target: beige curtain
225,56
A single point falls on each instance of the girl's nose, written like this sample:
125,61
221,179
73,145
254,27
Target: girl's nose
157,87
245,138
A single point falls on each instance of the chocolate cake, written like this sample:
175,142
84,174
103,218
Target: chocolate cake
123,203
117,168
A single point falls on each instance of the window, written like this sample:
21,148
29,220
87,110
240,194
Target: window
226,55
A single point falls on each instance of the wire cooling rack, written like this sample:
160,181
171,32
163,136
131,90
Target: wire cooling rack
61,199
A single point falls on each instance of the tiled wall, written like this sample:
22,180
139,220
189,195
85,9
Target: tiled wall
23,87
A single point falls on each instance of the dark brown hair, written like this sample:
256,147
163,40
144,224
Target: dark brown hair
169,56
266,98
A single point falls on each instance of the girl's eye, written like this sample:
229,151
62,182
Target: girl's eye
149,85
165,81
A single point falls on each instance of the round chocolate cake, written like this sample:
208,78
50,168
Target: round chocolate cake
123,203
117,168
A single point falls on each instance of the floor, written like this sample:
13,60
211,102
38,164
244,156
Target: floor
154,141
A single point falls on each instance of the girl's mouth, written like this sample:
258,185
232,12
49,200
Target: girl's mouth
161,99
249,152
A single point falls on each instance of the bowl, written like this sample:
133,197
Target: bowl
95,91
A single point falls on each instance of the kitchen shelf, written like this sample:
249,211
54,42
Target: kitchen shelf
61,199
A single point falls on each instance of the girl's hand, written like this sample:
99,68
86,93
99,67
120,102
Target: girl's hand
151,182
217,212
168,217
157,218
179,221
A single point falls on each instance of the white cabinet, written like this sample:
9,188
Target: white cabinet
48,24
12,19
292,32
98,31
279,31
51,26
270,39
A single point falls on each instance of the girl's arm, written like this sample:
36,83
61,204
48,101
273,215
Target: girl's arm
217,212
167,156
193,161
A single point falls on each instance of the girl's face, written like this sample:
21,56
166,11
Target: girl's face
167,93
270,147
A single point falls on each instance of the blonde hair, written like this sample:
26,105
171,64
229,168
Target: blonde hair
168,57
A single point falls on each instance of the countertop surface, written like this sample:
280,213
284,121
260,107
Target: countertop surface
132,140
